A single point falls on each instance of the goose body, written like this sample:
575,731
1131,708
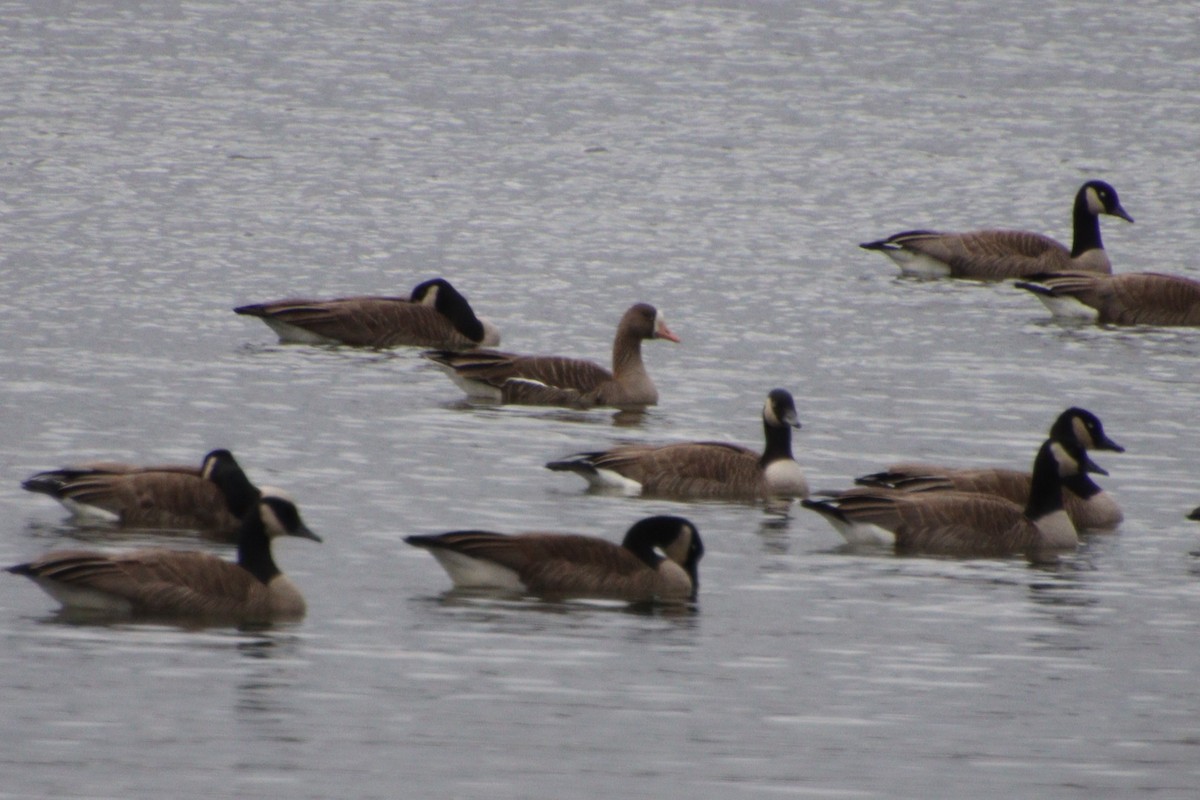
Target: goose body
1001,254
657,560
964,523
702,470
1130,298
434,315
173,583
210,498
1086,503
498,377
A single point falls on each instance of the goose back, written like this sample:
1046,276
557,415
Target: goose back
1131,298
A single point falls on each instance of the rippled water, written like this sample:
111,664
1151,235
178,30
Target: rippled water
164,162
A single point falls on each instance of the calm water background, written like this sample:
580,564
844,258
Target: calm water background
163,162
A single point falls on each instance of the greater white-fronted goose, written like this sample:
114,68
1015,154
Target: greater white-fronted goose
498,377
1086,503
702,470
1130,298
211,498
965,523
657,561
175,583
1001,254
434,315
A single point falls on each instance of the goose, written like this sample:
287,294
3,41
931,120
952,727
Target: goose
1000,254
658,560
1195,513
434,315
1086,503
177,583
964,523
498,377
1130,298
702,470
211,498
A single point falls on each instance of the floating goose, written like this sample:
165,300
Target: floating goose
1130,298
963,523
658,560
1000,254
1088,505
554,380
175,583
1195,513
211,498
702,470
435,315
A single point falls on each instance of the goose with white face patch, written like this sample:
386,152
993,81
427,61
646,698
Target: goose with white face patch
702,470
434,315
962,523
497,377
1086,503
1000,254
658,560
175,583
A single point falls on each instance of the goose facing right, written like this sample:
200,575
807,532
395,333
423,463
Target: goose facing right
1000,254
702,470
498,377
176,583
1129,298
963,523
434,315
658,560
211,498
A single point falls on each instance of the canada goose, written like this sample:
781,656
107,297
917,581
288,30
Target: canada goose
435,315
700,470
183,583
1000,254
962,523
1130,298
211,498
554,380
1195,513
658,560
1088,505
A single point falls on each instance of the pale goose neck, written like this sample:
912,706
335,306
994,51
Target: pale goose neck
628,367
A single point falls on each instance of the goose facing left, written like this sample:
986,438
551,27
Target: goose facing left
702,470
434,315
175,583
658,560
963,523
1128,298
211,498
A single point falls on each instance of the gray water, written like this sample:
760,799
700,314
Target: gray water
163,162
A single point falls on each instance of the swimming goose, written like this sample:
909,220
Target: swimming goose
1086,503
176,583
1195,513
434,315
1130,298
1000,254
658,560
211,498
962,523
554,380
702,470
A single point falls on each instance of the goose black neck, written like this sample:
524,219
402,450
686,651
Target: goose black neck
254,549
778,443
1045,493
1082,486
240,494
454,307
1087,227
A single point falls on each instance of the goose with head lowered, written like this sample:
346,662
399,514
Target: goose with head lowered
1000,254
211,498
658,560
1129,298
1086,503
702,470
434,315
178,583
965,523
497,377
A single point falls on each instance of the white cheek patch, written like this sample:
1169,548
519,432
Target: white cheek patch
1094,203
270,521
430,298
1081,433
1067,465
769,414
